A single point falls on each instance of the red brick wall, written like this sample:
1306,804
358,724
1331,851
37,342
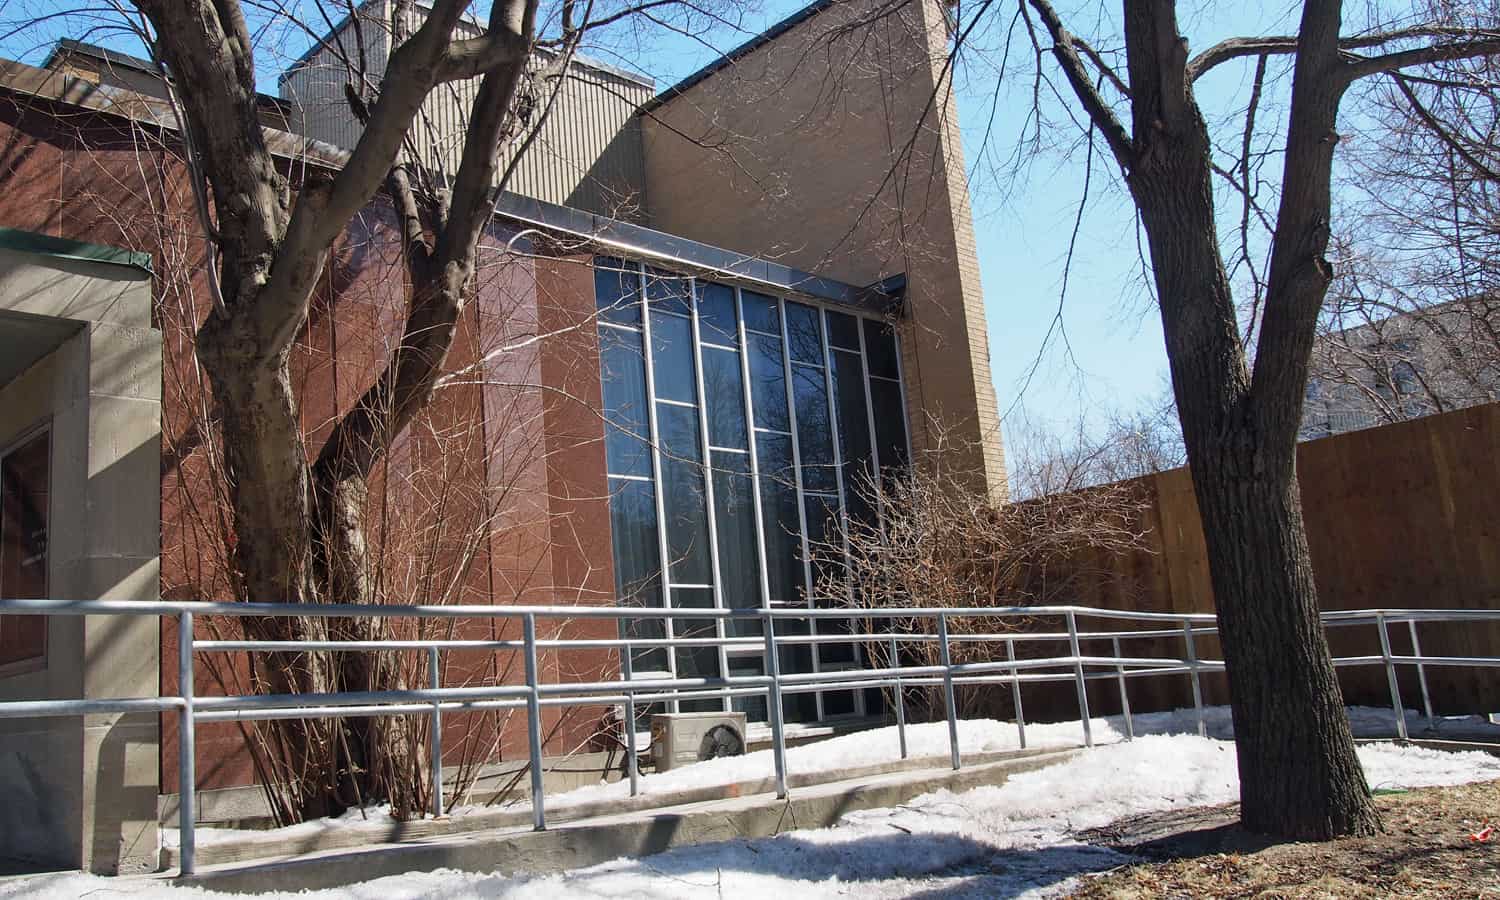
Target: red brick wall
495,495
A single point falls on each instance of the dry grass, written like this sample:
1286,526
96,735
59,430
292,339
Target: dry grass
1425,851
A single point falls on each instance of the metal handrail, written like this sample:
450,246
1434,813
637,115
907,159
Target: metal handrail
1073,665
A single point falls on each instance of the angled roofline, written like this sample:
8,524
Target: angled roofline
65,46
743,50
115,59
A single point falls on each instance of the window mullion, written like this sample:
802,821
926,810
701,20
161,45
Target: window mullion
647,350
791,405
875,471
708,481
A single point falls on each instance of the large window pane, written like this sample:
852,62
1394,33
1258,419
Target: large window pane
852,416
834,655
672,357
814,431
824,540
761,312
890,425
768,382
632,509
734,517
617,291
781,522
799,707
748,666
724,398
838,703
716,319
880,349
682,490
623,378
667,292
696,662
804,334
645,661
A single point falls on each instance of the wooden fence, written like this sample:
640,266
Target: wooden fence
1404,515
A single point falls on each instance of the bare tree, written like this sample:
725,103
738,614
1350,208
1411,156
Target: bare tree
1044,461
934,540
1412,322
1238,359
302,511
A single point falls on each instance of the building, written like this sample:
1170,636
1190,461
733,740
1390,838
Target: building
722,269
1404,365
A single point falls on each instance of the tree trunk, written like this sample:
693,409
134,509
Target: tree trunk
1299,775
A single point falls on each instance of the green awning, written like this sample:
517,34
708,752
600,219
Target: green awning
47,245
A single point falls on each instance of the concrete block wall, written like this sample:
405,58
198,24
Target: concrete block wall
82,791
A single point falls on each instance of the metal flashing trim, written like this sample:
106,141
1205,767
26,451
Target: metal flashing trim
46,245
637,240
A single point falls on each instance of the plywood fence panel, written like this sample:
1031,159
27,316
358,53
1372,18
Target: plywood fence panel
1405,515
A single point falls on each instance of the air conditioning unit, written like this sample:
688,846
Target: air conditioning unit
680,739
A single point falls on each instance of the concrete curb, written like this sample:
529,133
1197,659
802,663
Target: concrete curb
252,846
595,840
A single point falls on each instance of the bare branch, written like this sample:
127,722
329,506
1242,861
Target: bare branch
1064,48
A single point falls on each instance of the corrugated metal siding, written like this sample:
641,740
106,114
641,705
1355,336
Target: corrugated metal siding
315,86
587,155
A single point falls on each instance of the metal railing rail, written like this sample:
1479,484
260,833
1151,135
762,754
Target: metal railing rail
434,701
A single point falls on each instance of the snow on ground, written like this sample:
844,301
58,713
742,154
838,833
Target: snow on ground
1014,840
930,740
873,747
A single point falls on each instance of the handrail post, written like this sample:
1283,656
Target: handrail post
1390,676
1124,696
773,703
187,800
627,667
1416,650
1192,659
948,695
900,700
534,722
435,672
1083,694
1015,691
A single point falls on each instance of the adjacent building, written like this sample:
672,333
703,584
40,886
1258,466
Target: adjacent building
737,304
1403,365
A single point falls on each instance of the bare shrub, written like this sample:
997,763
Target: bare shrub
938,542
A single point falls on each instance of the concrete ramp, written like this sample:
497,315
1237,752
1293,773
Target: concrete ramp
588,841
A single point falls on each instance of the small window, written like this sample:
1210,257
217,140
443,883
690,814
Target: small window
25,476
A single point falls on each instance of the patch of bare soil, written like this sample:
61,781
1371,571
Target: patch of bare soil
1425,851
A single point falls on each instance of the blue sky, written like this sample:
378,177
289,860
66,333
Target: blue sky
1108,355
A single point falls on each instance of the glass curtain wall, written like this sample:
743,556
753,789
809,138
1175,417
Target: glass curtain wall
739,427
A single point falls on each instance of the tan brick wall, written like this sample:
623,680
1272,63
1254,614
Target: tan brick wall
835,151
